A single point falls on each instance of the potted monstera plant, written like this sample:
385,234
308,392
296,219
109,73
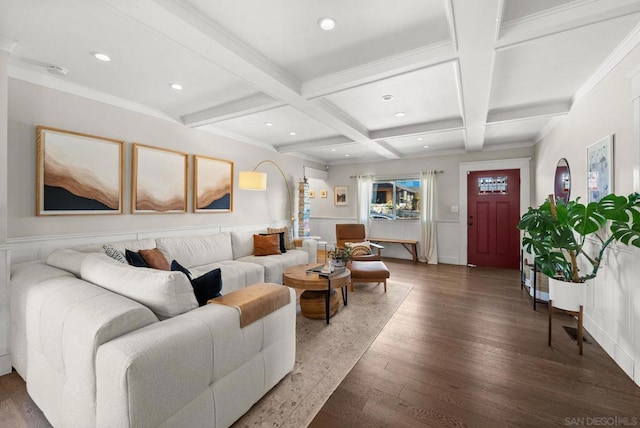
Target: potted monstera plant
557,233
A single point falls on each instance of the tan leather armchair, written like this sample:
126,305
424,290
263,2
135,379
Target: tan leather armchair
356,233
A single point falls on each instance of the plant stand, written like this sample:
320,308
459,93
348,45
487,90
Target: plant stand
579,314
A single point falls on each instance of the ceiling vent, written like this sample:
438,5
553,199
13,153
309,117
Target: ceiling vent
58,71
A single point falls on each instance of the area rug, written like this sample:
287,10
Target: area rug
324,356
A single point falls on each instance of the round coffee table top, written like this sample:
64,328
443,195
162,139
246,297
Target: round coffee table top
298,277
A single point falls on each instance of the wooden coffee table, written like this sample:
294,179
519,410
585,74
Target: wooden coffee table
317,288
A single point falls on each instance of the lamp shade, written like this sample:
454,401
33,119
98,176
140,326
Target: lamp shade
252,180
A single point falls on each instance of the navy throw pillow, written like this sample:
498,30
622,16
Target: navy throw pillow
283,248
175,266
207,286
135,259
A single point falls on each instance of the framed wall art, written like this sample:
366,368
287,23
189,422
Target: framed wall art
600,169
323,193
312,194
78,173
340,195
159,180
212,185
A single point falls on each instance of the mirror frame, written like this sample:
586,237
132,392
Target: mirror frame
562,181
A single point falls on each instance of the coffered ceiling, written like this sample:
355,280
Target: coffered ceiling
402,79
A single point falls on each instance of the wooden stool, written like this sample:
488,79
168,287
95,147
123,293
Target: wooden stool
369,271
578,314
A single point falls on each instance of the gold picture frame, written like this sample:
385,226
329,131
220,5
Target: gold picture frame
212,185
78,174
158,180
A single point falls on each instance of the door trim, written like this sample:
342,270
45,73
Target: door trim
523,164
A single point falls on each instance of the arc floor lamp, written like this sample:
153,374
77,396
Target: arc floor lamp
255,180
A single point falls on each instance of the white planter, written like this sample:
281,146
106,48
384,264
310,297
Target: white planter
567,295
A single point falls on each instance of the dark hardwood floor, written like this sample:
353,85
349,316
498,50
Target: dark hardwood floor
465,349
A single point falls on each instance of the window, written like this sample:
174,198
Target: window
395,200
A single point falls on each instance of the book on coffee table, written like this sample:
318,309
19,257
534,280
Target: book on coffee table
318,270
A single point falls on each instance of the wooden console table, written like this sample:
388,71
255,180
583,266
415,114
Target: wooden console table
408,244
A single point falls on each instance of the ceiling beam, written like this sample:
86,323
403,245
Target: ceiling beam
314,144
476,52
530,111
235,136
563,18
418,128
396,65
251,104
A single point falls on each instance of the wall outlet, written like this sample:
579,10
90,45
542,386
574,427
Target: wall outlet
454,208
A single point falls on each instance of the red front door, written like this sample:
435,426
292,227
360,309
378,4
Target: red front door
493,198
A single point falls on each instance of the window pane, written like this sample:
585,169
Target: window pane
492,185
407,199
382,200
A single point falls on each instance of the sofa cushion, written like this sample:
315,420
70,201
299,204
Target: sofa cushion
155,259
67,260
135,259
166,293
197,250
274,266
266,245
242,243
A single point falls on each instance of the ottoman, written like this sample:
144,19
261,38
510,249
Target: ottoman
369,271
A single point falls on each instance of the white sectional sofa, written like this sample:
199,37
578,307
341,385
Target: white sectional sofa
101,343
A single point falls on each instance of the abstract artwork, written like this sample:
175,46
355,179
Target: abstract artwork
340,194
78,173
600,169
212,185
159,183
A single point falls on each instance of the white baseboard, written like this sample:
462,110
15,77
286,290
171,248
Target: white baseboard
623,359
5,364
448,260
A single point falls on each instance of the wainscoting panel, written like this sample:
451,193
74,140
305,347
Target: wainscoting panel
609,314
5,360
448,242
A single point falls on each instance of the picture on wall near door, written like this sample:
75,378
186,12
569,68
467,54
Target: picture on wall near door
340,195
323,193
600,169
159,180
78,173
212,185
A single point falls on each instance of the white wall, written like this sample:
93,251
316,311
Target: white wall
324,214
612,315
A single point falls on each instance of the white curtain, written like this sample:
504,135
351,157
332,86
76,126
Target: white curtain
362,202
428,210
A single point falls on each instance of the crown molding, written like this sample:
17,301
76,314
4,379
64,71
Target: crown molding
619,53
62,85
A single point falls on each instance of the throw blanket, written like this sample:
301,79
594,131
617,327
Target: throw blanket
255,301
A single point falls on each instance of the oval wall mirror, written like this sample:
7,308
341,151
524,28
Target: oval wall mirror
562,186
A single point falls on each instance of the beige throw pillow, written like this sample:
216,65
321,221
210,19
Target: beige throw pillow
288,240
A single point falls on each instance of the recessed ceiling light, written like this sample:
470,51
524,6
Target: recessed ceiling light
347,155
58,71
419,138
387,97
400,114
426,147
101,56
292,133
333,150
268,124
327,23
176,86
